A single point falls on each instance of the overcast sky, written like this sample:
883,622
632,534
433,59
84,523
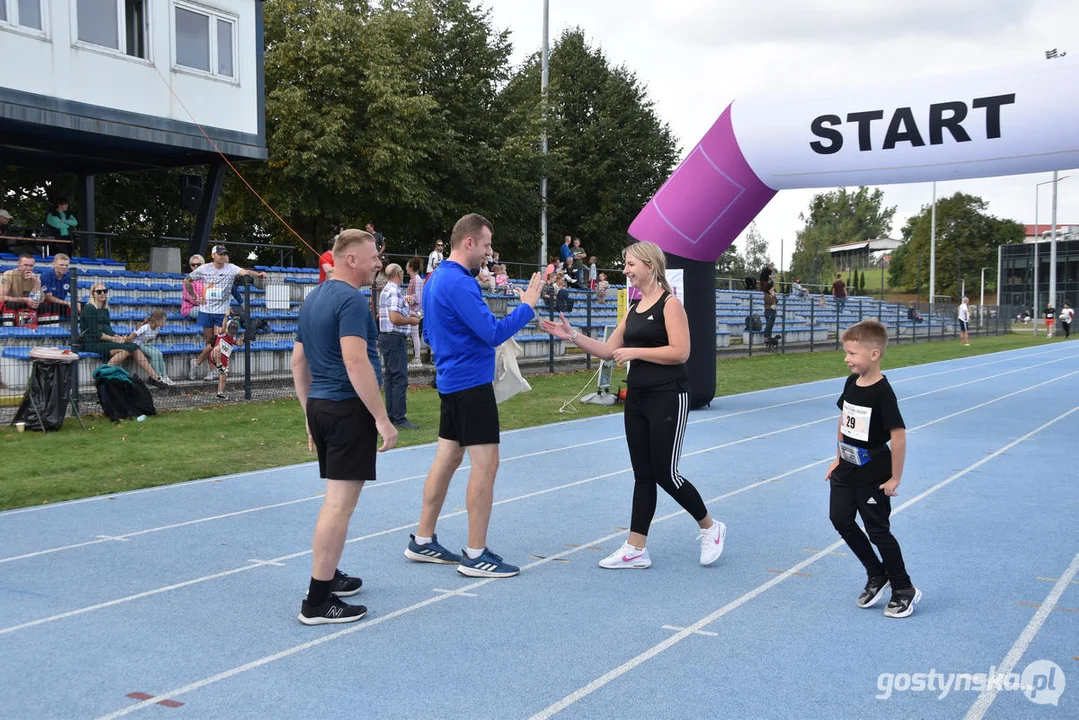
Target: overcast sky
696,56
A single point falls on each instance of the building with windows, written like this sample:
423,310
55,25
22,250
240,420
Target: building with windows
1015,273
94,86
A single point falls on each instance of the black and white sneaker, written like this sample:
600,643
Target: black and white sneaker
331,612
874,591
902,603
345,585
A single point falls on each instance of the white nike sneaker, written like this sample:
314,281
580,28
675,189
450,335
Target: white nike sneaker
627,557
712,541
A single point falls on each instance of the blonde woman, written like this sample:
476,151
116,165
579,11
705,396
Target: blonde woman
654,335
99,337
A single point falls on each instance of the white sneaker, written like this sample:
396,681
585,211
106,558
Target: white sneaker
192,370
166,380
712,541
627,557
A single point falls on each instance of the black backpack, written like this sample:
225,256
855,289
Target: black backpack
753,322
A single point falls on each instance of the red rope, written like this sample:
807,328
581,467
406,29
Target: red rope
229,163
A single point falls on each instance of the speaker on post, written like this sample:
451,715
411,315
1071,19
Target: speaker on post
190,192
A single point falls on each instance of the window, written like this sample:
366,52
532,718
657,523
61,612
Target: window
120,25
24,13
205,41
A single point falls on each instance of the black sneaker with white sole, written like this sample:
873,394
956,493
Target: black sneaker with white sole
331,612
874,591
345,585
902,603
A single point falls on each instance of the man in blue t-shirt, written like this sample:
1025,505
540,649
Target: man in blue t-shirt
56,291
336,371
463,334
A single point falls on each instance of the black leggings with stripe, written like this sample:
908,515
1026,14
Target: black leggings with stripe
655,426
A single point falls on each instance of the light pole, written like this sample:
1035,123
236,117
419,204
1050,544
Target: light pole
933,252
981,307
1037,241
544,72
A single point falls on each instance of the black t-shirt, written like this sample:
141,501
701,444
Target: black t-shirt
1050,313
868,415
648,329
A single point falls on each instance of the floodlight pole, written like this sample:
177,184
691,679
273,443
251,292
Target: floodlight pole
544,73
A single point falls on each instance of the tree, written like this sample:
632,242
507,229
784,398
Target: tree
966,235
835,218
730,264
609,150
756,250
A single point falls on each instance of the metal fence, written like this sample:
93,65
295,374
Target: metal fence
260,367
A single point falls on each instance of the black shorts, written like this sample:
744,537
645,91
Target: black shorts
963,326
470,417
345,438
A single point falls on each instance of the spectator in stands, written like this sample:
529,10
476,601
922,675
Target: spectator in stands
494,262
563,300
502,280
839,292
912,313
189,305
7,224
602,286
145,334
395,322
99,337
20,289
797,290
380,242
59,221
218,278
767,276
770,303
568,272
486,280
549,293
435,258
593,275
552,269
56,291
414,298
565,252
579,256
325,263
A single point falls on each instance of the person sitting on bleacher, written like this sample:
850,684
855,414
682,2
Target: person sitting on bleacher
59,221
20,289
563,301
56,287
798,290
486,280
912,313
602,286
144,336
99,337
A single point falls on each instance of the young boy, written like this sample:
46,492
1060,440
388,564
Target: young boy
227,339
866,472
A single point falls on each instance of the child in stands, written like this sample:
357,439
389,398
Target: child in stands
145,334
228,336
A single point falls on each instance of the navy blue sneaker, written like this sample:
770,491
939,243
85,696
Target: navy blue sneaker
432,552
487,565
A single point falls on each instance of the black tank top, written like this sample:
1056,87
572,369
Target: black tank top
648,330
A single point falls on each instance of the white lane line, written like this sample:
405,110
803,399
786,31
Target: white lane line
1007,665
655,650
707,633
402,528
103,538
464,590
1017,354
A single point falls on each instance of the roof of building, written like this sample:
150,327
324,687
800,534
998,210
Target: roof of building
876,244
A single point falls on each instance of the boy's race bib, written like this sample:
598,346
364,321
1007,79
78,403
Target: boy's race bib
854,422
226,348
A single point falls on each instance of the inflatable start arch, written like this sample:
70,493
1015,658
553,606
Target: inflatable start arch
983,124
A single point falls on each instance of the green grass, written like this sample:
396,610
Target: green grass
197,443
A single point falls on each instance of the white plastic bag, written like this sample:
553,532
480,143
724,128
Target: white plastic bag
508,378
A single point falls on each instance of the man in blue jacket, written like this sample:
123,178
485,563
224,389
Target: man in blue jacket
463,334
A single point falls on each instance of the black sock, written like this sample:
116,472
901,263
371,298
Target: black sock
318,591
